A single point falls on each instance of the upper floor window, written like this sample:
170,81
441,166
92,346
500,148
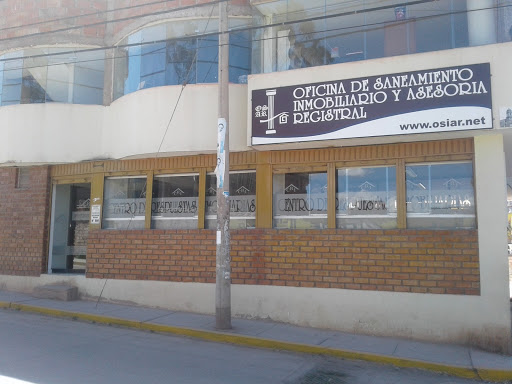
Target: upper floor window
311,33
178,52
43,75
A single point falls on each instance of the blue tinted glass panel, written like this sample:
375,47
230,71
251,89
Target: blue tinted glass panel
89,76
60,75
460,30
207,59
132,82
433,34
87,95
239,56
152,66
338,31
32,91
11,94
1,78
181,62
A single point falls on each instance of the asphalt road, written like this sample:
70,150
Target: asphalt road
43,350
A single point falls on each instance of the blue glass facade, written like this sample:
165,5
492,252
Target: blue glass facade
279,35
44,75
182,52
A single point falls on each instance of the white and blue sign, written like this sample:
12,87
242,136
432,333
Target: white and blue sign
436,100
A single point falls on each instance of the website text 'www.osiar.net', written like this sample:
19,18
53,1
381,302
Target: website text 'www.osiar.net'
443,124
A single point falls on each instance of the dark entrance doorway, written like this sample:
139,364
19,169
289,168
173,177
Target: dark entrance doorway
69,228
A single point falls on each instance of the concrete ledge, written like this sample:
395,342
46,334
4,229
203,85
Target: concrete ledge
56,291
224,337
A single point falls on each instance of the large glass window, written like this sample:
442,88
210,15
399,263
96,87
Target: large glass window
366,197
440,196
242,200
300,200
182,52
334,31
124,203
175,202
42,75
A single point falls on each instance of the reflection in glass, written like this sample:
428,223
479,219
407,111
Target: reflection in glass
12,79
366,197
124,203
440,196
42,75
175,202
179,55
333,32
242,200
300,200
69,228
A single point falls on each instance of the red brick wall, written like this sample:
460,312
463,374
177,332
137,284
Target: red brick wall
151,8
51,15
441,262
24,223
16,13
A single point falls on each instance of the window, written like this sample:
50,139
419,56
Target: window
334,32
179,54
300,200
366,197
440,196
124,203
242,200
175,202
43,75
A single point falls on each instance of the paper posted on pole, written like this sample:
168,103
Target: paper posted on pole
220,170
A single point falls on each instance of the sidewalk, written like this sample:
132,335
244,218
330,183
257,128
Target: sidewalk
451,359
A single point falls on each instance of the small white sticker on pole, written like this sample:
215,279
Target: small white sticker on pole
219,237
221,151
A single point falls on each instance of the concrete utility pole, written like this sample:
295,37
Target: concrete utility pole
223,260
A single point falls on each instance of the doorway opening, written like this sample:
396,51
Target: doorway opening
69,228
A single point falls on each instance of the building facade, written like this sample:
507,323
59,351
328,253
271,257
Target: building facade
368,165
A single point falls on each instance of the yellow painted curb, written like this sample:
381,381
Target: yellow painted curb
224,337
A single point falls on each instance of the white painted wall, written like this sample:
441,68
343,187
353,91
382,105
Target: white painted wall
136,124
47,133
132,126
499,55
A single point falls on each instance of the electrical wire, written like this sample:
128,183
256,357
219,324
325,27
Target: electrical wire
182,89
184,84
354,30
99,13
252,28
114,21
